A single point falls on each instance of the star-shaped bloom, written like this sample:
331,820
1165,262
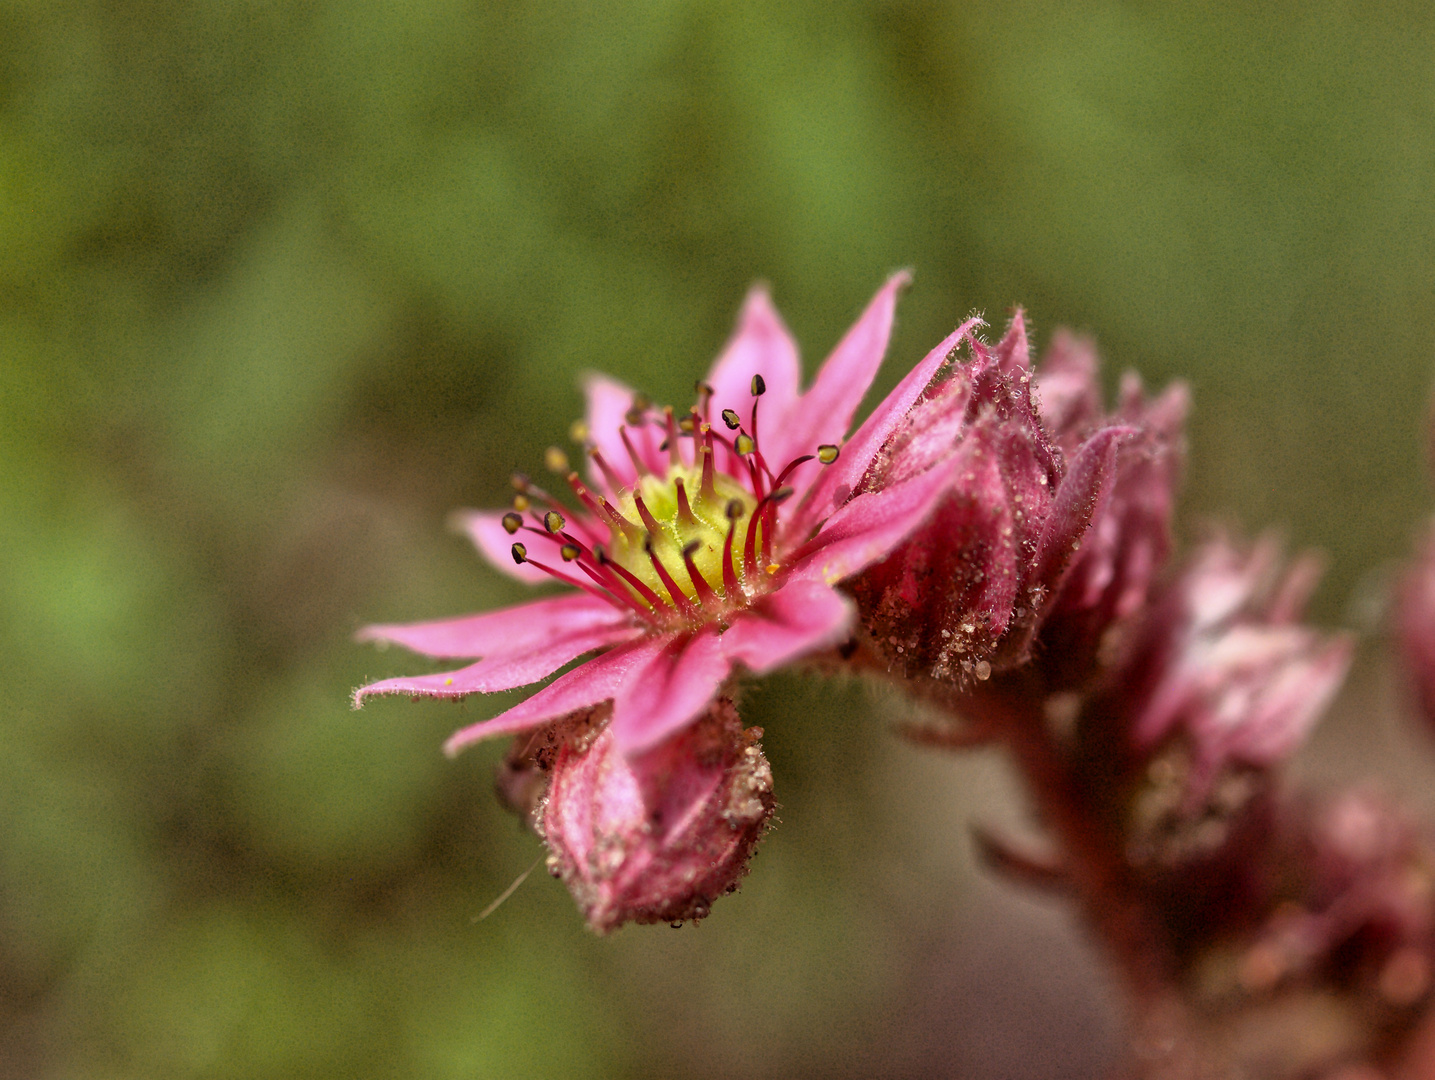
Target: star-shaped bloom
702,543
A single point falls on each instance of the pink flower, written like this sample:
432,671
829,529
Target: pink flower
656,836
1224,663
962,595
703,542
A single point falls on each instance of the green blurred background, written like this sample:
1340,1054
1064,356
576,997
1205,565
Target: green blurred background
283,283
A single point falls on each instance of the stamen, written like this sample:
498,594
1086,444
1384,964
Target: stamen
707,491
680,598
520,556
614,484
555,459
569,552
758,389
769,527
521,503
636,411
512,523
553,521
600,554
649,522
675,458
794,463
585,496
700,583
637,461
705,399
729,570
743,444
685,512
578,431
731,419
827,453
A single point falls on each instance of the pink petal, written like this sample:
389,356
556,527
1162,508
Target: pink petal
1013,351
608,405
826,410
589,684
868,527
799,618
674,685
502,633
845,473
485,529
762,346
1074,506
508,670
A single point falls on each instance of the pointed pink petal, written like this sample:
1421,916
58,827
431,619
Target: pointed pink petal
799,618
672,687
868,527
826,410
762,346
1074,506
843,475
1013,351
501,633
505,671
608,405
485,529
589,684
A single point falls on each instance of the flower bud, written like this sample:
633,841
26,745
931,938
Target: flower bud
1223,664
1130,534
963,595
656,837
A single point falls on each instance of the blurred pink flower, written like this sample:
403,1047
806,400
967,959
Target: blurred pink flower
1226,664
1415,625
963,594
704,542
656,836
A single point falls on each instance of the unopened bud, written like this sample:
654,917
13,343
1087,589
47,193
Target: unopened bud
660,836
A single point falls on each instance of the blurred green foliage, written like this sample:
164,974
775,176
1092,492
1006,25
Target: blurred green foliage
282,283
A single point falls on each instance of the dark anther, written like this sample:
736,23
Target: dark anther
600,554
520,554
569,552
641,404
553,521
663,446
758,386
648,544
743,444
733,509
847,648
690,549
827,453
780,495
512,523
731,419
701,388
